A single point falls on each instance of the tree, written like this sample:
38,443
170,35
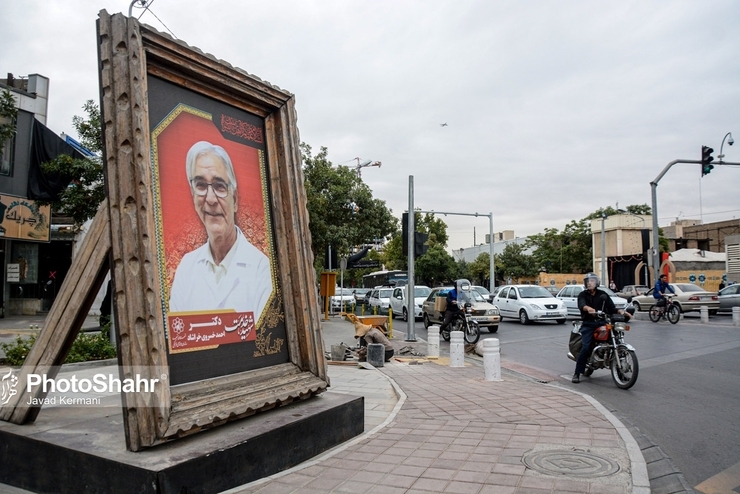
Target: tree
515,263
342,211
8,115
427,223
435,266
480,268
82,198
435,227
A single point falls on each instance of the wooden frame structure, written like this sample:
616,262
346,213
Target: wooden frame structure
128,53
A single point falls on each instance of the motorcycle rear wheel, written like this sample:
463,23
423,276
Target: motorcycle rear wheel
673,314
654,313
625,368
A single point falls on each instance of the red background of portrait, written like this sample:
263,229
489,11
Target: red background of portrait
182,229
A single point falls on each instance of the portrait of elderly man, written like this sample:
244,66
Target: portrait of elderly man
227,272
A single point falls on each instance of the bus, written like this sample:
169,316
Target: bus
379,278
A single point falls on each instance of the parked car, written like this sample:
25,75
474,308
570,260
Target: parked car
483,292
343,299
729,297
486,315
689,297
361,295
530,303
552,289
398,301
569,296
381,298
629,291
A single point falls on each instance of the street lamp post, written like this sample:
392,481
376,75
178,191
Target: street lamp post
721,156
364,164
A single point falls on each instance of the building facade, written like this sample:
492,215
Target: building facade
36,254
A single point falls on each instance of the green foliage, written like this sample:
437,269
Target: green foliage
480,269
515,263
568,251
435,227
436,266
610,211
92,346
342,210
82,198
393,257
86,191
8,114
393,250
90,130
17,350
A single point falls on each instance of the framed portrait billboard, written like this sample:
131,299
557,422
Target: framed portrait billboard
214,290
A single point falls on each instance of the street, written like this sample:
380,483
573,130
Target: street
685,399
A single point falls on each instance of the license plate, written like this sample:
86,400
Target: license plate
551,314
706,298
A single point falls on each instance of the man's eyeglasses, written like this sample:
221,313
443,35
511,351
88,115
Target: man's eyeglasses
221,189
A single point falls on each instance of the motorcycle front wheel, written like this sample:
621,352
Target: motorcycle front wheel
654,313
473,333
624,368
673,314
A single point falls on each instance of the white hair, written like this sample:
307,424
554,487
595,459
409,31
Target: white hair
204,147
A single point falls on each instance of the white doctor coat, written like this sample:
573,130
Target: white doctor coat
246,285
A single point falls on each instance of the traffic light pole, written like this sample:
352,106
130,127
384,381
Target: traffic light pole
653,188
411,284
492,281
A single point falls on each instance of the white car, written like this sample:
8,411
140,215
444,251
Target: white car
343,299
569,296
398,301
529,303
380,298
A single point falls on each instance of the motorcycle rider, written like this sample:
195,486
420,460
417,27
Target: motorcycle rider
591,300
660,289
451,308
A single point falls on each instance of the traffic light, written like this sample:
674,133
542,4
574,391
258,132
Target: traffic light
420,247
405,234
706,160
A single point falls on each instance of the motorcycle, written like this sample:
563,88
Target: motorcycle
463,318
609,350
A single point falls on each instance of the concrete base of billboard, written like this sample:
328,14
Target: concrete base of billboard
84,449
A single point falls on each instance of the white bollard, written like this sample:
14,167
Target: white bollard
433,342
491,359
457,349
704,311
736,316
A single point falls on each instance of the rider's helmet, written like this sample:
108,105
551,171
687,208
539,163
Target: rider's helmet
591,276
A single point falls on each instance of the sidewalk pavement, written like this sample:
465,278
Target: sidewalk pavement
449,430
430,428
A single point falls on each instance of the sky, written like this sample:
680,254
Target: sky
554,109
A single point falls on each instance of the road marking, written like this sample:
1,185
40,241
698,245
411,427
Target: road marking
665,359
725,482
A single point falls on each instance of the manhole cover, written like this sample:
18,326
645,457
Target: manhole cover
567,462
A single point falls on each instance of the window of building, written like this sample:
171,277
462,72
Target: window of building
6,157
